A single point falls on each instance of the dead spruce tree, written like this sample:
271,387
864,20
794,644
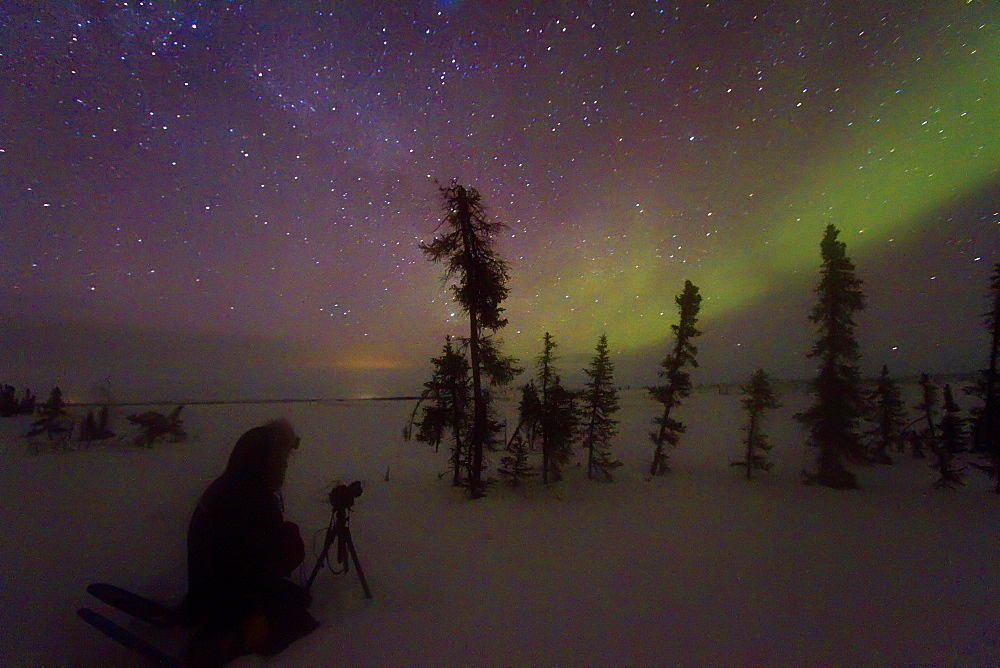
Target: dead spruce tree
600,403
678,381
465,247
759,397
833,419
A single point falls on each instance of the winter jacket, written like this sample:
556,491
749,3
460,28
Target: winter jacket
239,545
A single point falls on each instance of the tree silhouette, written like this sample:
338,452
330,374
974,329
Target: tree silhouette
832,420
927,406
977,414
558,415
515,465
952,433
53,420
529,411
96,428
888,414
465,247
678,381
600,403
952,425
990,429
758,396
444,407
154,426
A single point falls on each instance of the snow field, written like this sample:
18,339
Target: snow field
699,567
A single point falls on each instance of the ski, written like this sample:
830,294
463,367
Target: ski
122,635
137,606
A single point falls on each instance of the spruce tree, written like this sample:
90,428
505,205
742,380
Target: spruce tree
52,420
952,426
96,427
529,412
515,465
600,403
833,419
445,407
978,416
54,405
558,418
465,247
677,383
990,428
927,406
888,415
759,396
562,415
952,433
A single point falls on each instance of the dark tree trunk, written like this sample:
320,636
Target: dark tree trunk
591,444
479,425
546,431
751,442
457,421
655,466
990,409
479,413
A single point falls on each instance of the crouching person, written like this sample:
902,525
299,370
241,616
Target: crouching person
241,551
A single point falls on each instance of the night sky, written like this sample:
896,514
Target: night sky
224,199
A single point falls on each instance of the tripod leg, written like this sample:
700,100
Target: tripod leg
346,537
328,541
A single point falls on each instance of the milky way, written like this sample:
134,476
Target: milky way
230,196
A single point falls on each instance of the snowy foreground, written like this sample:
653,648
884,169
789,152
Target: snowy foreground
700,567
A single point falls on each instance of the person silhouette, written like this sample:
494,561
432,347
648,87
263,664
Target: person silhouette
241,551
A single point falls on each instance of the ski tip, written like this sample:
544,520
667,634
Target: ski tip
135,605
125,637
99,588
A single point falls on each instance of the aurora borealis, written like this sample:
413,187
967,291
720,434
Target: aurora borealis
228,197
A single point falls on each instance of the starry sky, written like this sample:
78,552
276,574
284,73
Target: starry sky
225,199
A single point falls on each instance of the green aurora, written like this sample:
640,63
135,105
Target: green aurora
926,147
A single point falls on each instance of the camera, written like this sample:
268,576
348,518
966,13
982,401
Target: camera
342,496
341,499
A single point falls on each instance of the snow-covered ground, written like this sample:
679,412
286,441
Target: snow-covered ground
699,567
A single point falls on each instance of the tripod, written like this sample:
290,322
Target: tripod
339,531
